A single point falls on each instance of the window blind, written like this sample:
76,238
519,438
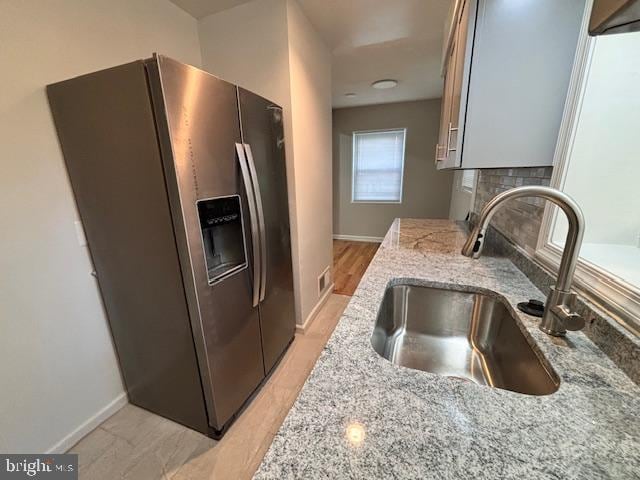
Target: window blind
378,163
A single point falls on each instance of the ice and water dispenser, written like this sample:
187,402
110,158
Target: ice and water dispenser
222,236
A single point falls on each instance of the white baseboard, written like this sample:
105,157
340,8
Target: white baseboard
325,296
88,426
358,238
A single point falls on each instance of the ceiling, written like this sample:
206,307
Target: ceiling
371,40
376,39
202,8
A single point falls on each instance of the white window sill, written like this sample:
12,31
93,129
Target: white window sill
623,261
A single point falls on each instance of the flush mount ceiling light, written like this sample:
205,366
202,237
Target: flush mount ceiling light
350,94
384,84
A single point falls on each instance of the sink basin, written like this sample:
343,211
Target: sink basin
459,334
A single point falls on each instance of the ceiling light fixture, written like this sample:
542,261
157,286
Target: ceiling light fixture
350,94
384,84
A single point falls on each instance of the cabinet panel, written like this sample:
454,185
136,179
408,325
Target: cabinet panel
456,85
464,43
522,61
442,149
507,73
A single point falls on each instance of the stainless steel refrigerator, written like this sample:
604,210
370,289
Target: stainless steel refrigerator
180,181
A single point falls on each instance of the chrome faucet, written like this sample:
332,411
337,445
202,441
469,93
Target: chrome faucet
559,311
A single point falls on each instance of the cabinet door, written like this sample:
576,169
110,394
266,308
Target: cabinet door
445,113
455,90
522,60
460,86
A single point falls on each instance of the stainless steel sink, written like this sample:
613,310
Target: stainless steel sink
459,334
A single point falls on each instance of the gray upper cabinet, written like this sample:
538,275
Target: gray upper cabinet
506,70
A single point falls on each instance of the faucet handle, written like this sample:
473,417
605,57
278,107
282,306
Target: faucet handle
559,315
574,322
570,320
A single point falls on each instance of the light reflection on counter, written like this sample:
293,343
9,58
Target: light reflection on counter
355,433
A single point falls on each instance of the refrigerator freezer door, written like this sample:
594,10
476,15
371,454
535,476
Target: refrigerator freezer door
203,128
263,134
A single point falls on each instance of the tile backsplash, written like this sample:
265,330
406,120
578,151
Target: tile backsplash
519,219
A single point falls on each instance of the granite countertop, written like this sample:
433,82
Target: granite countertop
360,416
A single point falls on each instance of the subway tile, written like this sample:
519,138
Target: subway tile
532,181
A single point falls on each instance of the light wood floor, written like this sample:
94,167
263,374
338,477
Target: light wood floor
350,261
138,445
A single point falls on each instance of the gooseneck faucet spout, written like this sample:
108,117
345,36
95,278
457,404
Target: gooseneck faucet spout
559,313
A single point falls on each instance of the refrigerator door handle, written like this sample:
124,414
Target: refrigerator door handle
263,233
253,217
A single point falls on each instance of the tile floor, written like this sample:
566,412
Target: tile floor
138,445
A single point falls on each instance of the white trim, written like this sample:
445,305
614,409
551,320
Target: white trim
474,182
358,238
89,425
621,299
474,192
568,126
312,315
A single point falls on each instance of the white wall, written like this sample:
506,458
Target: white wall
310,70
604,163
57,364
269,47
247,45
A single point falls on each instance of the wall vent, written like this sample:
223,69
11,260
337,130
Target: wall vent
323,281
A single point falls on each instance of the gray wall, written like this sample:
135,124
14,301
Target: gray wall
426,191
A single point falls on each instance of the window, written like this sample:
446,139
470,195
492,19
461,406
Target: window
378,164
468,180
597,164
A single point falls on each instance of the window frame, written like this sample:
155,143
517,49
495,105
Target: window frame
592,281
474,182
353,164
